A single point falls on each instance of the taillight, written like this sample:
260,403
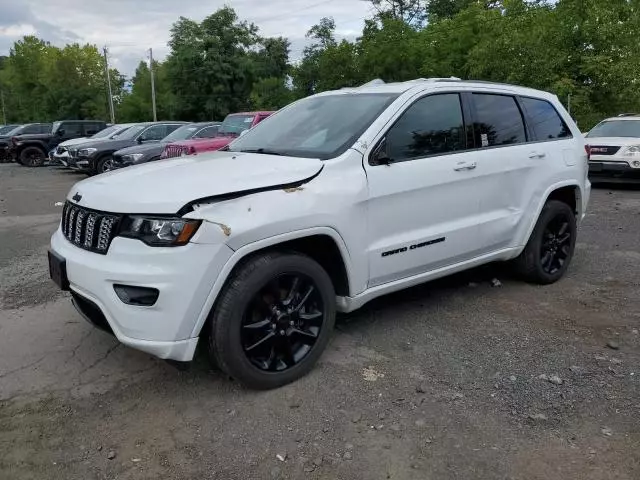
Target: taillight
587,148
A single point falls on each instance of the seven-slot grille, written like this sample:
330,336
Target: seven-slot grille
89,229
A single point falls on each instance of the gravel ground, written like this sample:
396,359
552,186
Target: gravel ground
457,379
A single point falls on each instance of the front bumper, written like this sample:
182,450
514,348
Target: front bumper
606,167
183,275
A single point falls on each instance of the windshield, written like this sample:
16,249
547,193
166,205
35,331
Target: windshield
616,128
7,128
107,132
317,127
130,132
10,130
236,124
182,133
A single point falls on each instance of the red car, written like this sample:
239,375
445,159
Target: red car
231,128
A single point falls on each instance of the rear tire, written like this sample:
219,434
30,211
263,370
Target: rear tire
32,157
267,328
550,248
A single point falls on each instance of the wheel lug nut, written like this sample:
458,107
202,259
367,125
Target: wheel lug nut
282,332
291,323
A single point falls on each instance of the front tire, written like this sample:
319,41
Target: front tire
32,157
273,319
550,249
104,165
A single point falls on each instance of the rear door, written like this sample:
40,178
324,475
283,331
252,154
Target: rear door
423,204
507,164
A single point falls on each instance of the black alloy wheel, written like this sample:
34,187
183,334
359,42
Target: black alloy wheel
32,157
105,164
548,253
282,323
556,244
272,320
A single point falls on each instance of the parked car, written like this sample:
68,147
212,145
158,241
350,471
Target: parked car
139,154
6,154
232,127
335,200
60,154
33,150
96,157
615,149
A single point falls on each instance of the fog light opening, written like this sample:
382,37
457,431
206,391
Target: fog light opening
138,296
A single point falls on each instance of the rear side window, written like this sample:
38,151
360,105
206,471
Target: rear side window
544,120
433,125
170,128
92,128
498,120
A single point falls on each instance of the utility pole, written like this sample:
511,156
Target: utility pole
153,86
108,79
569,104
4,115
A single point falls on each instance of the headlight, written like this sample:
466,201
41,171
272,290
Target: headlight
160,231
85,152
632,151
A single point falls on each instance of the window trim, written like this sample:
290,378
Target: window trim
465,125
528,115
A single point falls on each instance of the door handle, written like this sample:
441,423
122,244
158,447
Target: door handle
537,155
465,166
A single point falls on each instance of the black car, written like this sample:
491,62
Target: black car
9,131
96,157
32,150
150,152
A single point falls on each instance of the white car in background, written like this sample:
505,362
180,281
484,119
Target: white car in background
614,145
59,155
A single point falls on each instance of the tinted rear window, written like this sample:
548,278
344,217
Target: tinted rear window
616,128
498,120
544,120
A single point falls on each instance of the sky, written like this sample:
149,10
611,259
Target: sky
130,27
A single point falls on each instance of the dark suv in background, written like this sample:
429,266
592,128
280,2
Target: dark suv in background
151,151
10,131
32,150
96,157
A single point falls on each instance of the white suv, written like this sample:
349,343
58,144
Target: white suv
334,200
615,148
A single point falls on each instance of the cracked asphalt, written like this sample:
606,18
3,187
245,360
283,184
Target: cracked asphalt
442,381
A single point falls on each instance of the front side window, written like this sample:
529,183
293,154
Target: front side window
321,127
72,129
45,128
544,119
155,132
30,129
498,120
208,132
433,125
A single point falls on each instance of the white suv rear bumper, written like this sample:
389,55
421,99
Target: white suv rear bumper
184,277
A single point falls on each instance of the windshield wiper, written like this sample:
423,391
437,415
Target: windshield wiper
263,151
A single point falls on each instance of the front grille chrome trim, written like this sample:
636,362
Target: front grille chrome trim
89,229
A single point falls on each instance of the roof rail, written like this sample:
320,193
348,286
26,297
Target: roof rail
629,115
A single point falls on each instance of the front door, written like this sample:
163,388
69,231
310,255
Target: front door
423,203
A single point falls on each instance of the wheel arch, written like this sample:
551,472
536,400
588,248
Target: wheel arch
335,260
569,192
32,144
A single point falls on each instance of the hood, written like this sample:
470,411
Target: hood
108,145
167,186
34,136
612,141
75,141
146,148
207,143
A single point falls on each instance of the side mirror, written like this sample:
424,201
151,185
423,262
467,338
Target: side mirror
140,139
60,132
380,155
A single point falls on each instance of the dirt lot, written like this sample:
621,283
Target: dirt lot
438,382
